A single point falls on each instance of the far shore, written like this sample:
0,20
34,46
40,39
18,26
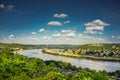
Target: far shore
81,56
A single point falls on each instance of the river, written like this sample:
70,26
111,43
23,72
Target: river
84,63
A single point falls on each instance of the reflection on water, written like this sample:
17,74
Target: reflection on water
92,64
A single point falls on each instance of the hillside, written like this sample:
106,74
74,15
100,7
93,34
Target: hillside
101,46
30,46
17,67
108,52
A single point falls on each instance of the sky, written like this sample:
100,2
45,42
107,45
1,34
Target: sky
59,21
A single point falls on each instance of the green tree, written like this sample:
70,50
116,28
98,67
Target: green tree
55,76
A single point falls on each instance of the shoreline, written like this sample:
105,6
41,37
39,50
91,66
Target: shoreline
81,56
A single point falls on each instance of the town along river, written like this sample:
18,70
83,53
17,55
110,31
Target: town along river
84,63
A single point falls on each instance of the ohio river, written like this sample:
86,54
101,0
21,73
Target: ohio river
84,63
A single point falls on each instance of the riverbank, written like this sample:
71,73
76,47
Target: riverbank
31,68
81,56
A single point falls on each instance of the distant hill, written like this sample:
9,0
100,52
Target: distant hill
100,46
63,46
28,46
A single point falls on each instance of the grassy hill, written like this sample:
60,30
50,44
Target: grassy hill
64,46
31,46
101,46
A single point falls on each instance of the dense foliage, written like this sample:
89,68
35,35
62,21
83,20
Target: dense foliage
17,67
28,46
110,52
100,46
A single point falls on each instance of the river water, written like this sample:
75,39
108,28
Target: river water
84,63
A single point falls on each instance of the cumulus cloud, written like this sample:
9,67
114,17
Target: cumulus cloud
71,34
7,7
32,38
73,38
42,30
54,23
47,37
2,6
67,31
10,7
11,36
33,33
116,37
60,15
95,27
113,37
66,22
63,39
57,35
87,39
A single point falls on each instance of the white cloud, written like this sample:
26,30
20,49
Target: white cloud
33,33
67,31
57,35
60,15
42,30
66,22
7,7
86,39
54,23
11,36
32,38
116,37
113,36
95,27
71,34
92,32
10,7
47,37
78,39
55,31
80,34
63,39
2,6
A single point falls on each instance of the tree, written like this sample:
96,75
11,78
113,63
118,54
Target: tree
55,76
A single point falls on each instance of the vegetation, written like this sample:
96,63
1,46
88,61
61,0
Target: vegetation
26,46
100,46
109,52
17,67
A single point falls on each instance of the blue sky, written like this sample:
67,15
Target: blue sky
59,21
